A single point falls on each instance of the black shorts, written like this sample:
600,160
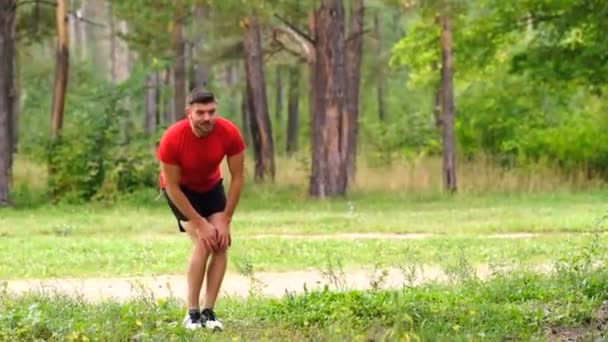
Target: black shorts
206,204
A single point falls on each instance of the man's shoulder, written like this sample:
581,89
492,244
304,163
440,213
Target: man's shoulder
227,124
176,128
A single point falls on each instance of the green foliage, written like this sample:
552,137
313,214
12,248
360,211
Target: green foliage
36,22
99,148
408,136
568,41
544,109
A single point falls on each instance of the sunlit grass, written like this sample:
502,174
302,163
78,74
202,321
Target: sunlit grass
114,255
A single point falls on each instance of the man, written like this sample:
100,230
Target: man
190,153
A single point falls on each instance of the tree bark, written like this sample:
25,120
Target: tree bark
7,53
168,99
112,41
61,70
354,53
293,118
447,74
258,104
330,88
151,104
61,82
318,176
381,75
200,75
245,115
179,64
15,99
279,93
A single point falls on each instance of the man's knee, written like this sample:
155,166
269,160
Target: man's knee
220,251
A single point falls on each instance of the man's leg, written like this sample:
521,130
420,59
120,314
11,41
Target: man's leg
217,267
196,270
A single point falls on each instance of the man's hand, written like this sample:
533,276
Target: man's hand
206,232
222,226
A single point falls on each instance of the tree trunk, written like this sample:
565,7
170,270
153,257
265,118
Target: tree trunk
112,41
381,75
199,78
15,99
7,53
279,94
76,30
94,49
168,98
447,74
331,87
256,94
437,103
293,109
151,103
179,65
318,176
354,52
245,126
61,70
61,81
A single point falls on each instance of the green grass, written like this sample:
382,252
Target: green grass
513,306
287,213
115,255
138,236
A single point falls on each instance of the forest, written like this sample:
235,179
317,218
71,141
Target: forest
332,85
414,169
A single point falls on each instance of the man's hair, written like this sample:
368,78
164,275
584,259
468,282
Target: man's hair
200,95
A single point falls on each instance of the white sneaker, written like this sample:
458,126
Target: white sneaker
209,320
191,324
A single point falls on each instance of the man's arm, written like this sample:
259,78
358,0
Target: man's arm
236,165
172,175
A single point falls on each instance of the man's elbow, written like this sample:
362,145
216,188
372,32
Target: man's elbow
238,177
171,187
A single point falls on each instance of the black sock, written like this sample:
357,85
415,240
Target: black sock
208,314
195,314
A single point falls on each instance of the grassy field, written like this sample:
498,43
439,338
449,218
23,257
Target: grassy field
509,306
138,236
278,229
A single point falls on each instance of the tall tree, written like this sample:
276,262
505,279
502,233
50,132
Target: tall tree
329,176
447,102
7,52
61,69
112,42
279,88
258,104
179,63
381,73
354,53
61,81
199,74
245,117
151,103
293,100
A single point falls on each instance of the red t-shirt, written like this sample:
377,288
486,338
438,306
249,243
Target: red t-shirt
199,158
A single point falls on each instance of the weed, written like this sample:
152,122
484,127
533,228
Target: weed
333,272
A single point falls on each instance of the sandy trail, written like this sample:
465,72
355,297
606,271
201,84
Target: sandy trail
273,284
264,283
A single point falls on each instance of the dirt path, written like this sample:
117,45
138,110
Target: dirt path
265,283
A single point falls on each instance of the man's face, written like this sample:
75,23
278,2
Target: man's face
202,117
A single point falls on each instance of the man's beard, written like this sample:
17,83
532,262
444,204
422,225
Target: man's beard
204,128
